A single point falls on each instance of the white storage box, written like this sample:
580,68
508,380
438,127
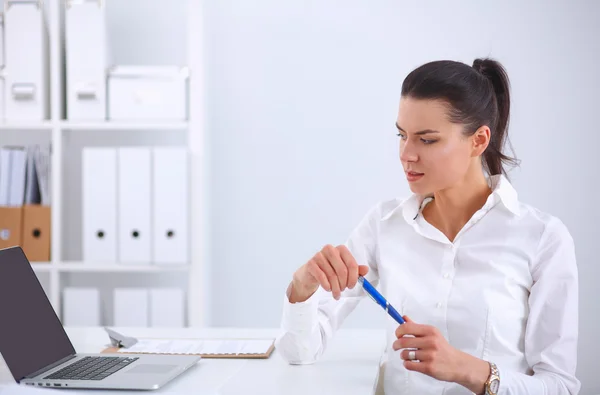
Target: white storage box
26,55
147,93
87,57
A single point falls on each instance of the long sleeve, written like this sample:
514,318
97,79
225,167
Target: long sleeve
307,327
552,326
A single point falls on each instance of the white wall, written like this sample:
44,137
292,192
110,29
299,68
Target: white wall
302,97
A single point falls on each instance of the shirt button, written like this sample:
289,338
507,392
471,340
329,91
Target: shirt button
446,275
439,305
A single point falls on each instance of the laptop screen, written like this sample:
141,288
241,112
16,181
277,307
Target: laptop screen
31,335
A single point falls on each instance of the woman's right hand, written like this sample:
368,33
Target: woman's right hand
333,268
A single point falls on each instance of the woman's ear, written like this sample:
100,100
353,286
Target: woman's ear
480,140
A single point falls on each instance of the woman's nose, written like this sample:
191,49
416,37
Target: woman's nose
407,152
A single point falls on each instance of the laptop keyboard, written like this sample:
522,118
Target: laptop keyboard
91,368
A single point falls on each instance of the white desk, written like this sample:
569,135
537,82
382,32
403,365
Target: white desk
349,366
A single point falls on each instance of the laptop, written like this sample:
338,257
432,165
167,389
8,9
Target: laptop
38,351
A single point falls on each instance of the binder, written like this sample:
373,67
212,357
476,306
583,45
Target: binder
134,167
81,307
11,220
87,59
5,175
17,177
43,170
170,208
167,308
2,94
32,185
99,203
26,47
1,39
2,64
131,307
35,239
13,164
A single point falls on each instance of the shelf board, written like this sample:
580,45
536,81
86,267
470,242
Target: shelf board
114,267
123,126
26,125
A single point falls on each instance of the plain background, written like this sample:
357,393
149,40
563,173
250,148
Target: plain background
302,99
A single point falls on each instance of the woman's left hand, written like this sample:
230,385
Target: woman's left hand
435,357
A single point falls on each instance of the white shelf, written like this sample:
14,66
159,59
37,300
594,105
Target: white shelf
122,126
83,267
21,126
114,267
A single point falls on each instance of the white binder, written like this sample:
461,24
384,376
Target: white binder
130,307
26,52
87,58
2,95
170,208
1,39
81,307
5,175
134,167
167,308
99,197
17,177
2,66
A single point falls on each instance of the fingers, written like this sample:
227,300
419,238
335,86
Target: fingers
335,269
418,355
315,271
412,328
411,342
326,267
363,270
351,265
334,258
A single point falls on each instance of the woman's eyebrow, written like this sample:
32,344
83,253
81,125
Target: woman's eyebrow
426,131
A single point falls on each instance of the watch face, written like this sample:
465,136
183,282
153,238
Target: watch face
494,386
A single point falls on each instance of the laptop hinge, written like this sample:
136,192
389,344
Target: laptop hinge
49,367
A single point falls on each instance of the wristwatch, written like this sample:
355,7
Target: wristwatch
493,382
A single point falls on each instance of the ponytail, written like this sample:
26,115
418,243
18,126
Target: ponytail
493,157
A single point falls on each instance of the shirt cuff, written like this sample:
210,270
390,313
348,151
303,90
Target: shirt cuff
301,316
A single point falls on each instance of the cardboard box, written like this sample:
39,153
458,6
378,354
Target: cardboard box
35,239
11,219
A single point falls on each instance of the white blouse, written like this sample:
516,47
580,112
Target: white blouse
505,291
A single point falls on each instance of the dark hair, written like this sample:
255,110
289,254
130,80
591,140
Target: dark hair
477,96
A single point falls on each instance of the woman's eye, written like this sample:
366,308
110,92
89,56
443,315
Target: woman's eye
401,136
428,141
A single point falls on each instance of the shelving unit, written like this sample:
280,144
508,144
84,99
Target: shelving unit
121,126
66,256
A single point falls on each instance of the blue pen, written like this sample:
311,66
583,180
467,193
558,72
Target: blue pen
380,300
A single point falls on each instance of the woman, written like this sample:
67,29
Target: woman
488,284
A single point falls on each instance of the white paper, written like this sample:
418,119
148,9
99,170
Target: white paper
209,346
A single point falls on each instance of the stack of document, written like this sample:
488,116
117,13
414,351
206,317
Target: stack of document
24,176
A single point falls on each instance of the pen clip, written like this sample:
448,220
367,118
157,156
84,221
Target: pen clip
361,280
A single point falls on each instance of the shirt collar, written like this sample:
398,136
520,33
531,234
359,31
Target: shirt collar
500,185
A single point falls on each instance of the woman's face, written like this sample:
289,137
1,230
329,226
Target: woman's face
434,152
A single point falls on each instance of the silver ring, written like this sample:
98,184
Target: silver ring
412,355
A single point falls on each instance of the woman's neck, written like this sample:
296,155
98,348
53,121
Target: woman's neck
452,208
